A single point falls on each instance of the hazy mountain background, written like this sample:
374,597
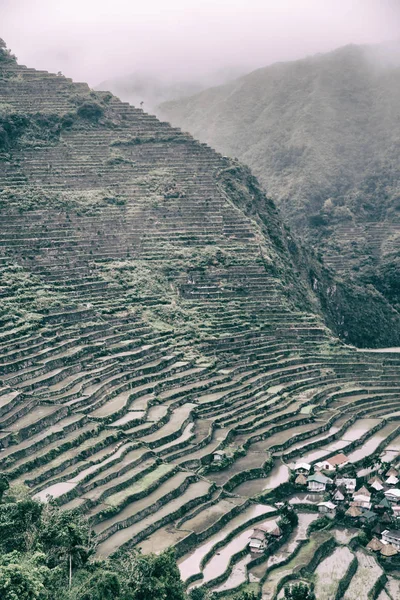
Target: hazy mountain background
152,89
323,136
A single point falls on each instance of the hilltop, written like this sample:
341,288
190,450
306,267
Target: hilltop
166,344
322,136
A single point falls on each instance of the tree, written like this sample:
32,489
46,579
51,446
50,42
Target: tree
103,585
299,591
5,54
247,596
153,576
18,525
4,485
200,593
289,515
65,537
22,578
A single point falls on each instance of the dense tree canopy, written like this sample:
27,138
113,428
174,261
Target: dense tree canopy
48,554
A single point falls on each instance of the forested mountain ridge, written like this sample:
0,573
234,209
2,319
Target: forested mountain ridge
322,134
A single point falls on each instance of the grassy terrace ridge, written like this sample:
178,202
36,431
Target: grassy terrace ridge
151,315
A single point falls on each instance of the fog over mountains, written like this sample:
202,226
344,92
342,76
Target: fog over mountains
150,89
323,136
305,127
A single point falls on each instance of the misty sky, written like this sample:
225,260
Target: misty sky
92,40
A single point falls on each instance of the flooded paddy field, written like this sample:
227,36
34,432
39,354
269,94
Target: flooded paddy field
252,460
278,475
364,579
318,437
160,540
392,451
354,432
211,514
330,571
373,442
126,534
191,564
302,558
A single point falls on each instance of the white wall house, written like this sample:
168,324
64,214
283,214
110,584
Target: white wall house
348,482
393,495
391,536
257,541
317,482
328,509
337,461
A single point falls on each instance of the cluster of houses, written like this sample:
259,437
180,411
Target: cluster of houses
376,504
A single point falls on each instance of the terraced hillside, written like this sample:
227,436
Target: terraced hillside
321,134
147,322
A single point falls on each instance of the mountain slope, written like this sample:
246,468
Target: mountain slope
322,135
119,147
153,310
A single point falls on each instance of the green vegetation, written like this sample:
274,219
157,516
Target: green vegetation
299,591
48,554
35,198
5,53
27,130
92,111
357,313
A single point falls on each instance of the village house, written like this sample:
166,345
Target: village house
392,471
384,504
393,495
391,536
338,496
301,479
303,468
378,528
327,509
362,498
385,518
375,545
362,492
348,482
337,461
318,482
258,540
275,531
365,504
368,517
392,480
218,456
388,550
354,512
376,484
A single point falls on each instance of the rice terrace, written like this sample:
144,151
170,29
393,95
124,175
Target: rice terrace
176,368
